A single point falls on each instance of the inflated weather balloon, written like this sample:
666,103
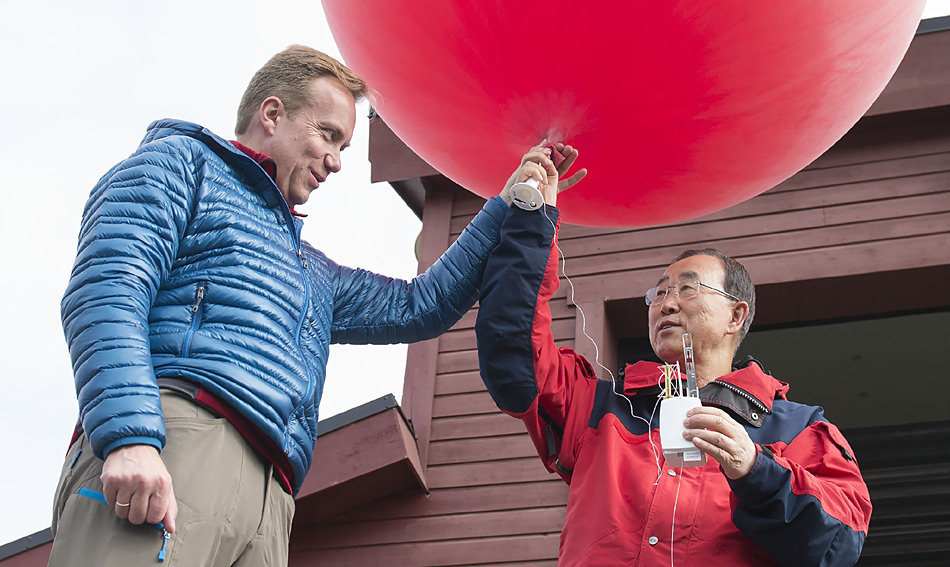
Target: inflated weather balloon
679,107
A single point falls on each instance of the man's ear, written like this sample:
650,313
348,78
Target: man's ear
270,113
739,313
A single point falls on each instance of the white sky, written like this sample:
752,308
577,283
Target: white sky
80,83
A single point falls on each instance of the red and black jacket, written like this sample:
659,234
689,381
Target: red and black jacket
803,503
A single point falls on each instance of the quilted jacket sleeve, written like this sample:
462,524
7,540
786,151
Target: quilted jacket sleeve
370,308
128,239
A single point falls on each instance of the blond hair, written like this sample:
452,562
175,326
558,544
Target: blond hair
288,76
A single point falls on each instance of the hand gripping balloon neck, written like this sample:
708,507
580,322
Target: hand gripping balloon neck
527,194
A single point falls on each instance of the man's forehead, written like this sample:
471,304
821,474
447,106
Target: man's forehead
700,267
329,100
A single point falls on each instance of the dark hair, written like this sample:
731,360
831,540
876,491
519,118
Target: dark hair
288,76
738,282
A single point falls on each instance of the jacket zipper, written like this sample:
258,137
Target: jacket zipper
99,497
755,401
297,247
302,262
196,311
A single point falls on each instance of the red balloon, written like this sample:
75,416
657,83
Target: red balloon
679,108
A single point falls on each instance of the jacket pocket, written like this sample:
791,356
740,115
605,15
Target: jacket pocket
197,311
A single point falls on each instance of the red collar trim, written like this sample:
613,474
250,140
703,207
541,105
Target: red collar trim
267,163
751,379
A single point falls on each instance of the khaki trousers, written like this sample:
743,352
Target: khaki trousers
231,508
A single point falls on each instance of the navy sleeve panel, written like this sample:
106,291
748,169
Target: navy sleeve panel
372,309
509,300
793,528
787,421
804,499
644,406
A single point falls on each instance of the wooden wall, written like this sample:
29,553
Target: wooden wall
879,201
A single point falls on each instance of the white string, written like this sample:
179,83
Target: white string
613,382
675,500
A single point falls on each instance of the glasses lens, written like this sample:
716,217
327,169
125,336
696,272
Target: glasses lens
650,296
687,290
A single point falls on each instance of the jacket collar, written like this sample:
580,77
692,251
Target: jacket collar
748,392
258,179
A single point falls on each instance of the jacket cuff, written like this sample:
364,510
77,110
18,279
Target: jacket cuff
497,208
131,441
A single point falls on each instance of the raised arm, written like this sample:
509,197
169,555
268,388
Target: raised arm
549,389
370,308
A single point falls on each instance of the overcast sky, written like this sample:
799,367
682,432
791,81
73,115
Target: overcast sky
81,81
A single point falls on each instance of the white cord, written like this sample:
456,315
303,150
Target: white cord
675,500
613,382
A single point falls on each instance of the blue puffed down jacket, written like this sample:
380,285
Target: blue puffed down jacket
190,265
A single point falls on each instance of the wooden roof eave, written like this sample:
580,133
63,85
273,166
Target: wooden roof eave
361,455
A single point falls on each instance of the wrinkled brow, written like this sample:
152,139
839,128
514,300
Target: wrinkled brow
688,275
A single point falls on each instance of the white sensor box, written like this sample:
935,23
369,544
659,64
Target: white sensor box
678,451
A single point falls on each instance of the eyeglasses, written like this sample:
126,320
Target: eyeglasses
682,290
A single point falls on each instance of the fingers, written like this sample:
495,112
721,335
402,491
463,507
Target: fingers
570,155
572,180
137,485
171,514
138,507
540,156
538,164
537,154
163,508
532,170
122,503
721,437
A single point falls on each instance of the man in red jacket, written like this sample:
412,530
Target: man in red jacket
780,486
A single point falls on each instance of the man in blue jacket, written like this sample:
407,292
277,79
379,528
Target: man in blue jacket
198,323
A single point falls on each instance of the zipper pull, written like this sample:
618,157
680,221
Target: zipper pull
165,536
201,295
302,259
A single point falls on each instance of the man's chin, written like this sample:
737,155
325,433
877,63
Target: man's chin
668,354
302,198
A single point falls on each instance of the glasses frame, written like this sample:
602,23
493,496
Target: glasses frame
675,287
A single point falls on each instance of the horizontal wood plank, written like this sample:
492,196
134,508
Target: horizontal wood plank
884,169
779,217
458,361
459,383
530,521
463,404
473,426
481,449
834,261
493,497
435,554
480,474
867,229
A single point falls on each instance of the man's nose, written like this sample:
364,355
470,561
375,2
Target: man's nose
670,303
333,161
